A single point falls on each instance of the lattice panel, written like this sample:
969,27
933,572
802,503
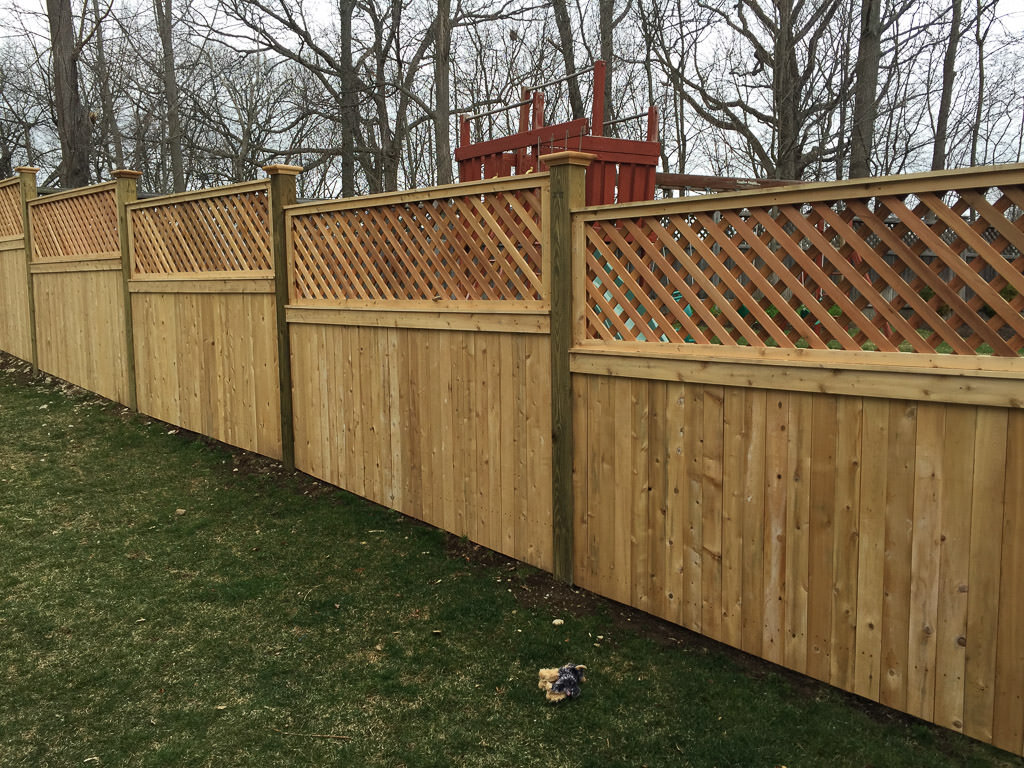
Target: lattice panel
219,233
470,247
10,210
936,272
75,227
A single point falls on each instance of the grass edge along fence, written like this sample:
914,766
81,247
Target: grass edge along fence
853,513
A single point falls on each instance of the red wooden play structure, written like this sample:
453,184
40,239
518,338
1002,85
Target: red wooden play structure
623,171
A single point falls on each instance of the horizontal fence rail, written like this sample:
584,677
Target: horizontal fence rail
222,230
928,264
78,224
479,242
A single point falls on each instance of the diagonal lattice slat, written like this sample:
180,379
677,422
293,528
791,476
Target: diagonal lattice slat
221,232
80,226
484,246
10,210
938,271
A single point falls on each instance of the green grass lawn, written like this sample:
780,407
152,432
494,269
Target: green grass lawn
164,601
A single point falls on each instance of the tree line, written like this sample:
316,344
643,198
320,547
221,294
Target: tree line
365,93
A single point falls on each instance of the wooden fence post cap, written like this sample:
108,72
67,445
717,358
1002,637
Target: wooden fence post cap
568,158
125,173
27,170
283,170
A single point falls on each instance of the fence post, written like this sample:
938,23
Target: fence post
282,193
126,192
27,186
568,193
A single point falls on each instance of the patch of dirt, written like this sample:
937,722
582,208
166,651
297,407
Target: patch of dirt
17,370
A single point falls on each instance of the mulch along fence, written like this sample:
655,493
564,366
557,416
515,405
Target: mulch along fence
791,420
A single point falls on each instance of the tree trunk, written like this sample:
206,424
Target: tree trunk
170,77
111,130
349,101
865,104
946,98
72,121
980,37
786,86
606,19
565,38
442,84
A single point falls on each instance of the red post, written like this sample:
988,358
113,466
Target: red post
652,123
597,118
538,109
524,110
463,131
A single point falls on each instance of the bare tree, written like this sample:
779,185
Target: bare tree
946,94
567,45
71,117
865,106
165,28
442,90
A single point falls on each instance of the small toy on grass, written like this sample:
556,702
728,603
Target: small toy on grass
562,682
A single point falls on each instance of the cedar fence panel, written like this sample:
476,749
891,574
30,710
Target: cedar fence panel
78,290
785,443
421,359
202,293
15,318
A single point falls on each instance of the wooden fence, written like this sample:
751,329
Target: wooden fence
205,314
78,287
420,356
790,419
757,461
15,309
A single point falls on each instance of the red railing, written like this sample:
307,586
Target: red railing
623,170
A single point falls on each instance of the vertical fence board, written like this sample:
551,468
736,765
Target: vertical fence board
987,506
924,563
711,511
659,532
874,480
1008,722
638,509
753,520
821,534
735,436
954,563
846,542
690,405
773,641
899,530
798,500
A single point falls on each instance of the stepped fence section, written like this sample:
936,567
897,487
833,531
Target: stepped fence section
419,336
78,287
799,431
15,308
204,311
